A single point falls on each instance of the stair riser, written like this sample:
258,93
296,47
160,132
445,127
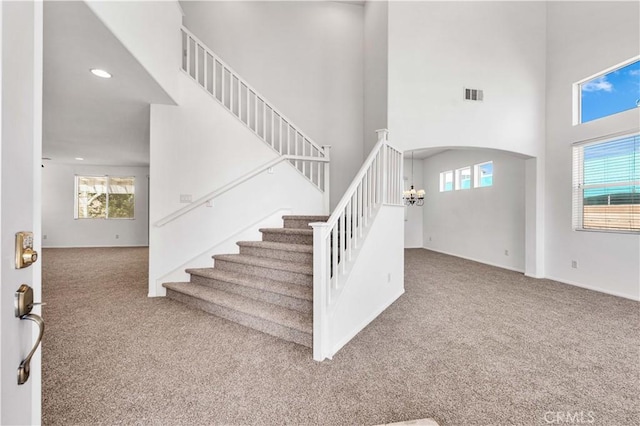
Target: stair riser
300,305
298,223
290,256
274,274
287,238
246,320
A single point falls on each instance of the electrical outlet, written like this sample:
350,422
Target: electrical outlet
574,264
429,238
506,252
389,277
185,198
117,236
44,237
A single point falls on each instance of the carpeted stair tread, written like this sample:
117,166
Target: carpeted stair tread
287,231
261,310
299,248
260,283
311,218
266,262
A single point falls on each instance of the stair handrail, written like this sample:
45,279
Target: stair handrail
336,241
186,67
382,140
227,187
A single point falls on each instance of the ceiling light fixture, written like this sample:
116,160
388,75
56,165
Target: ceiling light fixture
100,73
412,197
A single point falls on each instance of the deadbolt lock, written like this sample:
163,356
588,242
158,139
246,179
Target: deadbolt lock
25,254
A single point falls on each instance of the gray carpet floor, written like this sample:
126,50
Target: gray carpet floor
467,344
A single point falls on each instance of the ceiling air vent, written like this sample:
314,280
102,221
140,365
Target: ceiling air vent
473,94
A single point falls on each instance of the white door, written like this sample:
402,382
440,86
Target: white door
20,157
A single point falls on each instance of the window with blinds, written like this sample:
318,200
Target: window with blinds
606,184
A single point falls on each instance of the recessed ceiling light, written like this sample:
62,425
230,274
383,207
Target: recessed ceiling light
79,158
100,73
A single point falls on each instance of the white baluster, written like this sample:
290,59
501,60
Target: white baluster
304,163
326,150
288,138
343,241
189,55
349,229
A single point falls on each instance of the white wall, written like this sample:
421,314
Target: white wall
197,148
583,39
413,216
150,30
60,229
306,58
477,223
376,279
438,48
376,76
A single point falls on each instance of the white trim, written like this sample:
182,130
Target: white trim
38,72
476,174
577,90
592,288
610,69
476,260
607,138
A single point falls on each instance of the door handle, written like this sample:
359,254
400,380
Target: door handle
23,369
23,305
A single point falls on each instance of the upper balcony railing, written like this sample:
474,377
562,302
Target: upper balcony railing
253,110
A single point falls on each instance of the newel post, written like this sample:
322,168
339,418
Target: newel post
320,289
383,135
326,149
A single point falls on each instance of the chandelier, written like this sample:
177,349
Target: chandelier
412,197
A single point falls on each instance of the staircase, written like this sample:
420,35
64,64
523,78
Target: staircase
268,286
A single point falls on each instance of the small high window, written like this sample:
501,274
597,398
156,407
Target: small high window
606,185
463,178
104,197
446,181
610,92
483,174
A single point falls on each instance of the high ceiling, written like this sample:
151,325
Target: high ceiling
104,121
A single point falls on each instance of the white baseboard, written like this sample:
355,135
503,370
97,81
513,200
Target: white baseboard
475,260
592,288
563,281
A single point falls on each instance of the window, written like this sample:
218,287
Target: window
606,185
104,197
463,178
610,92
446,181
483,174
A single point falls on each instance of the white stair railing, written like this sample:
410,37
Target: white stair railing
253,110
337,241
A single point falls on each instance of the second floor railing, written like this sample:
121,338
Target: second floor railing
252,109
